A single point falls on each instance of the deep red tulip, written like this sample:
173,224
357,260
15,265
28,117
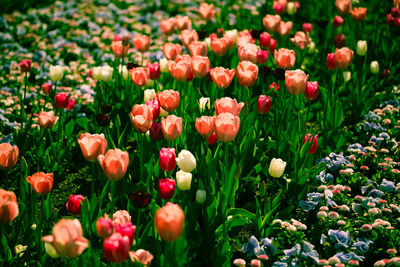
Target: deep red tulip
74,204
155,71
140,199
390,20
126,229
395,12
156,131
166,188
263,104
47,88
314,139
167,159
339,40
212,139
25,65
311,91
61,100
330,61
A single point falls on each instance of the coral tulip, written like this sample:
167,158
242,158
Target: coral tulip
8,156
169,99
171,51
41,182
200,66
169,221
248,52
8,206
197,48
92,145
118,49
285,58
271,22
296,81
343,57
300,40
206,11
171,127
229,105
180,70
222,77
114,163
226,126
141,43
188,36
139,76
167,26
205,125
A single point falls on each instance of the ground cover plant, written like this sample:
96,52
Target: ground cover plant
189,133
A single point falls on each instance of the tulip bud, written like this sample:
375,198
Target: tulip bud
169,221
361,48
276,167
264,39
307,27
164,65
184,180
204,103
167,159
314,139
330,61
154,70
116,248
124,72
272,45
374,67
47,88
186,161
311,91
291,8
201,196
74,204
166,188
263,104
61,100
56,73
337,21
25,65
346,76
104,226
262,57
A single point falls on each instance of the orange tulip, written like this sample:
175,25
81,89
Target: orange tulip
188,36
114,163
285,58
295,81
359,13
285,28
271,22
41,182
140,76
183,23
343,57
8,206
206,11
171,51
205,125
200,66
141,43
179,70
92,145
169,221
226,126
67,239
220,45
222,77
47,119
118,49
8,156
171,127
142,117
228,105
169,99
246,73
248,52
198,48
343,6
300,40
167,26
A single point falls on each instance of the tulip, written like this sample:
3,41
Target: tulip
274,85
346,76
264,39
343,6
361,48
182,23
311,91
239,262
222,77
339,40
184,180
154,106
279,8
41,182
114,163
300,40
246,73
248,52
67,239
8,156
149,94
212,139
171,127
220,46
262,57
154,70
337,21
296,81
188,36
226,126
169,221
272,45
140,199
169,99
229,105
197,48
330,61
118,49
126,229
74,204
285,28
285,58
276,167
206,11
103,73
374,67
142,256
92,145
167,26
171,51
47,119
200,66
186,161
167,159
156,131
307,27
141,43
139,75
104,227
142,117
116,248
314,140
180,70
61,100
166,188
204,102
8,206
291,8
271,22
71,104
47,88
263,104
56,73
25,65
201,196
343,57
121,217
205,125
359,13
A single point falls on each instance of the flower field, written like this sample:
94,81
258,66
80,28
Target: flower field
190,133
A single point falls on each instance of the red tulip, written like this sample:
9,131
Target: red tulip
116,248
330,61
154,106
262,57
339,40
74,204
61,100
126,229
155,71
47,88
272,45
337,21
212,139
167,159
166,188
311,91
307,27
25,65
314,139
263,104
264,39
104,226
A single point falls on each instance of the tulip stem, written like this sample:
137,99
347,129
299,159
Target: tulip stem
92,180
